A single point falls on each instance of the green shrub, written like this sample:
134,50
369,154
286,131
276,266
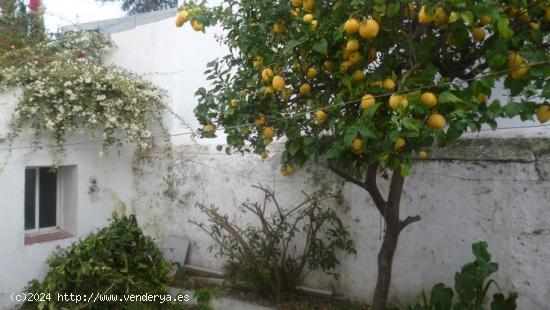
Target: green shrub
118,259
266,258
472,285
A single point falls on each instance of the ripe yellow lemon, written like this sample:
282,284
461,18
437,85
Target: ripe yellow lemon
352,45
429,100
355,58
278,83
399,144
441,18
478,34
197,26
268,91
351,26
314,24
543,113
358,75
279,27
233,103
357,145
367,101
481,98
344,67
327,65
388,84
260,120
296,2
485,20
514,59
548,13
321,117
535,26
511,11
346,54
369,29
181,18
311,73
423,155
268,133
308,5
436,121
524,16
257,63
308,18
372,54
267,75
424,18
520,72
287,94
263,154
209,128
397,100
305,89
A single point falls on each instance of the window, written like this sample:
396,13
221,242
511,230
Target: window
50,203
41,203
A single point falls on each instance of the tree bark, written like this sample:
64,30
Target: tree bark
394,226
389,209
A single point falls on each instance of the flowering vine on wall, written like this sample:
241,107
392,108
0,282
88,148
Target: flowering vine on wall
65,89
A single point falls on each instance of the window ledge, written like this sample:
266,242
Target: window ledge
31,239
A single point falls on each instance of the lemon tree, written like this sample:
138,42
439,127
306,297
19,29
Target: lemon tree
370,85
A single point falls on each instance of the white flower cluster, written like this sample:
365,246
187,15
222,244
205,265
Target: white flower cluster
70,93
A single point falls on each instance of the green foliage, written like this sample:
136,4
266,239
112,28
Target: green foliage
267,258
118,259
134,7
65,89
440,56
204,296
18,26
472,285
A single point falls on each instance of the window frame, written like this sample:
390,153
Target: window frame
58,204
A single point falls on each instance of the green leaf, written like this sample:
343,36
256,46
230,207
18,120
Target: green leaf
480,251
448,97
321,47
405,169
393,9
350,135
333,153
442,297
503,26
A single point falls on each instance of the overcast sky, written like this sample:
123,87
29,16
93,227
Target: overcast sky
66,12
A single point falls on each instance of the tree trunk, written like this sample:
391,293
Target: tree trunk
389,209
385,263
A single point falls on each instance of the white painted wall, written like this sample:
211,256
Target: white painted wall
498,193
21,263
173,58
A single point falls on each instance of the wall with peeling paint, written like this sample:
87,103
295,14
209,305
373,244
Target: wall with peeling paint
479,189
101,186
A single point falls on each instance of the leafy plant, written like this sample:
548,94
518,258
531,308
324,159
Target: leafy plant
65,89
19,26
204,296
118,259
267,258
472,285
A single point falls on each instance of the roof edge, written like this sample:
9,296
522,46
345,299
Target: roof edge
114,25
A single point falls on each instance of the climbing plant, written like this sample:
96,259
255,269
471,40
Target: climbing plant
64,88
